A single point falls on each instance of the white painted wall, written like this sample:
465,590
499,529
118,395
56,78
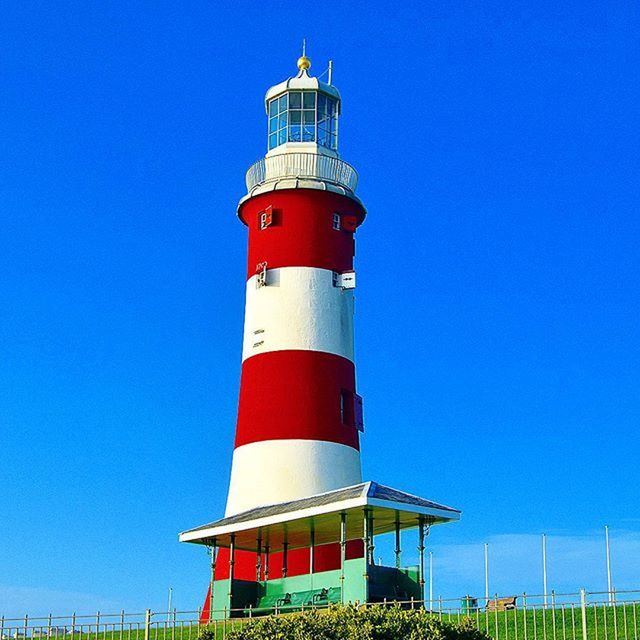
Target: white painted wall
299,308
275,471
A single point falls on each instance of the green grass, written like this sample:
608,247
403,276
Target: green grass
621,622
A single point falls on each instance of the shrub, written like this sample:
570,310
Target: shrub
353,623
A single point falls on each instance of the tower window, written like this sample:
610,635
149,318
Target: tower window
337,218
346,408
261,275
266,217
351,414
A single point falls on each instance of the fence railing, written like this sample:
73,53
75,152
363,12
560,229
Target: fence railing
557,616
302,165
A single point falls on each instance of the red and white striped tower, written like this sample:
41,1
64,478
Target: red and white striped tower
299,415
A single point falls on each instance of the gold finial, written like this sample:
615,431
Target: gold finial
303,62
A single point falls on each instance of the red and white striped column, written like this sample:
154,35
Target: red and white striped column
299,415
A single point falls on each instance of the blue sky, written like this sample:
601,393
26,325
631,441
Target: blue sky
497,301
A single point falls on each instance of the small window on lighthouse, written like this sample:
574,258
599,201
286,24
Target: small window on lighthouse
266,218
261,275
347,408
336,221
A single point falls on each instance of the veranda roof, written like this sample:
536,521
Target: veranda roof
292,522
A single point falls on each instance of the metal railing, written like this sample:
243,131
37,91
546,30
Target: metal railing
562,616
556,616
304,166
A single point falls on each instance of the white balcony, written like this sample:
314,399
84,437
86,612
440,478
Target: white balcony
304,167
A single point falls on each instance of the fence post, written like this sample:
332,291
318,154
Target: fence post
147,624
583,609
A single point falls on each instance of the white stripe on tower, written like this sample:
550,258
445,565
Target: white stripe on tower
275,471
301,309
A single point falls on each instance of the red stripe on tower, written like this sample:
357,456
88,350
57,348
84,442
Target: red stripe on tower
309,228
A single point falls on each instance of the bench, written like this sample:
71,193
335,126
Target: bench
268,603
502,604
314,597
295,601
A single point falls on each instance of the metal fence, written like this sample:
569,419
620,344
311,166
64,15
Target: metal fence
557,616
148,625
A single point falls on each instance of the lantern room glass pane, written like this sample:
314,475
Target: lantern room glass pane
295,100
322,104
295,133
309,100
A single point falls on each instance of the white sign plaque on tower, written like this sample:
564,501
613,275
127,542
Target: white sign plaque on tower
346,280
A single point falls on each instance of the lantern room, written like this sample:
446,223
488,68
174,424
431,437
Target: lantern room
302,114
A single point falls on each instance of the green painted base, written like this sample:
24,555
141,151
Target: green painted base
360,583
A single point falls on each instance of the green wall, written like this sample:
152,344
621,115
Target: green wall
385,582
220,598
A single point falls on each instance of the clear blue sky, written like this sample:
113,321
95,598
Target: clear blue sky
498,278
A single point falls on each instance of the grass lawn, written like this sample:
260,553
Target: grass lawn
564,622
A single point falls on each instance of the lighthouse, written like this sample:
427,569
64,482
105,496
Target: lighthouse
299,415
300,523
